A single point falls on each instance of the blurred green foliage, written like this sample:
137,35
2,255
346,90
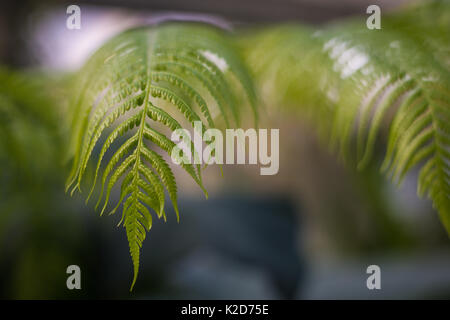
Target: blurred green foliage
35,242
304,71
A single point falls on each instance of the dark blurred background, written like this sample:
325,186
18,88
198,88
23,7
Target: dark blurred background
307,233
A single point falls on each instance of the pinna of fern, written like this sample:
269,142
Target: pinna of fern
353,83
121,106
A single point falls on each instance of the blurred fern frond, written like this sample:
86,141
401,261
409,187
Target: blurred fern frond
354,83
138,82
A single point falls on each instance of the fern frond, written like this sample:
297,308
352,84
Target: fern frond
354,83
115,110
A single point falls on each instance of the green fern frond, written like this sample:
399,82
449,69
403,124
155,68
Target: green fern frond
115,109
354,83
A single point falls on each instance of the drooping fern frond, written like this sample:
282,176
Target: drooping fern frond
139,83
356,84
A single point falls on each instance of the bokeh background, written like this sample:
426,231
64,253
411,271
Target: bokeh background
308,232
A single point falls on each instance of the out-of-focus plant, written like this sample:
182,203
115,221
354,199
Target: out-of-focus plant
30,144
356,84
34,248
